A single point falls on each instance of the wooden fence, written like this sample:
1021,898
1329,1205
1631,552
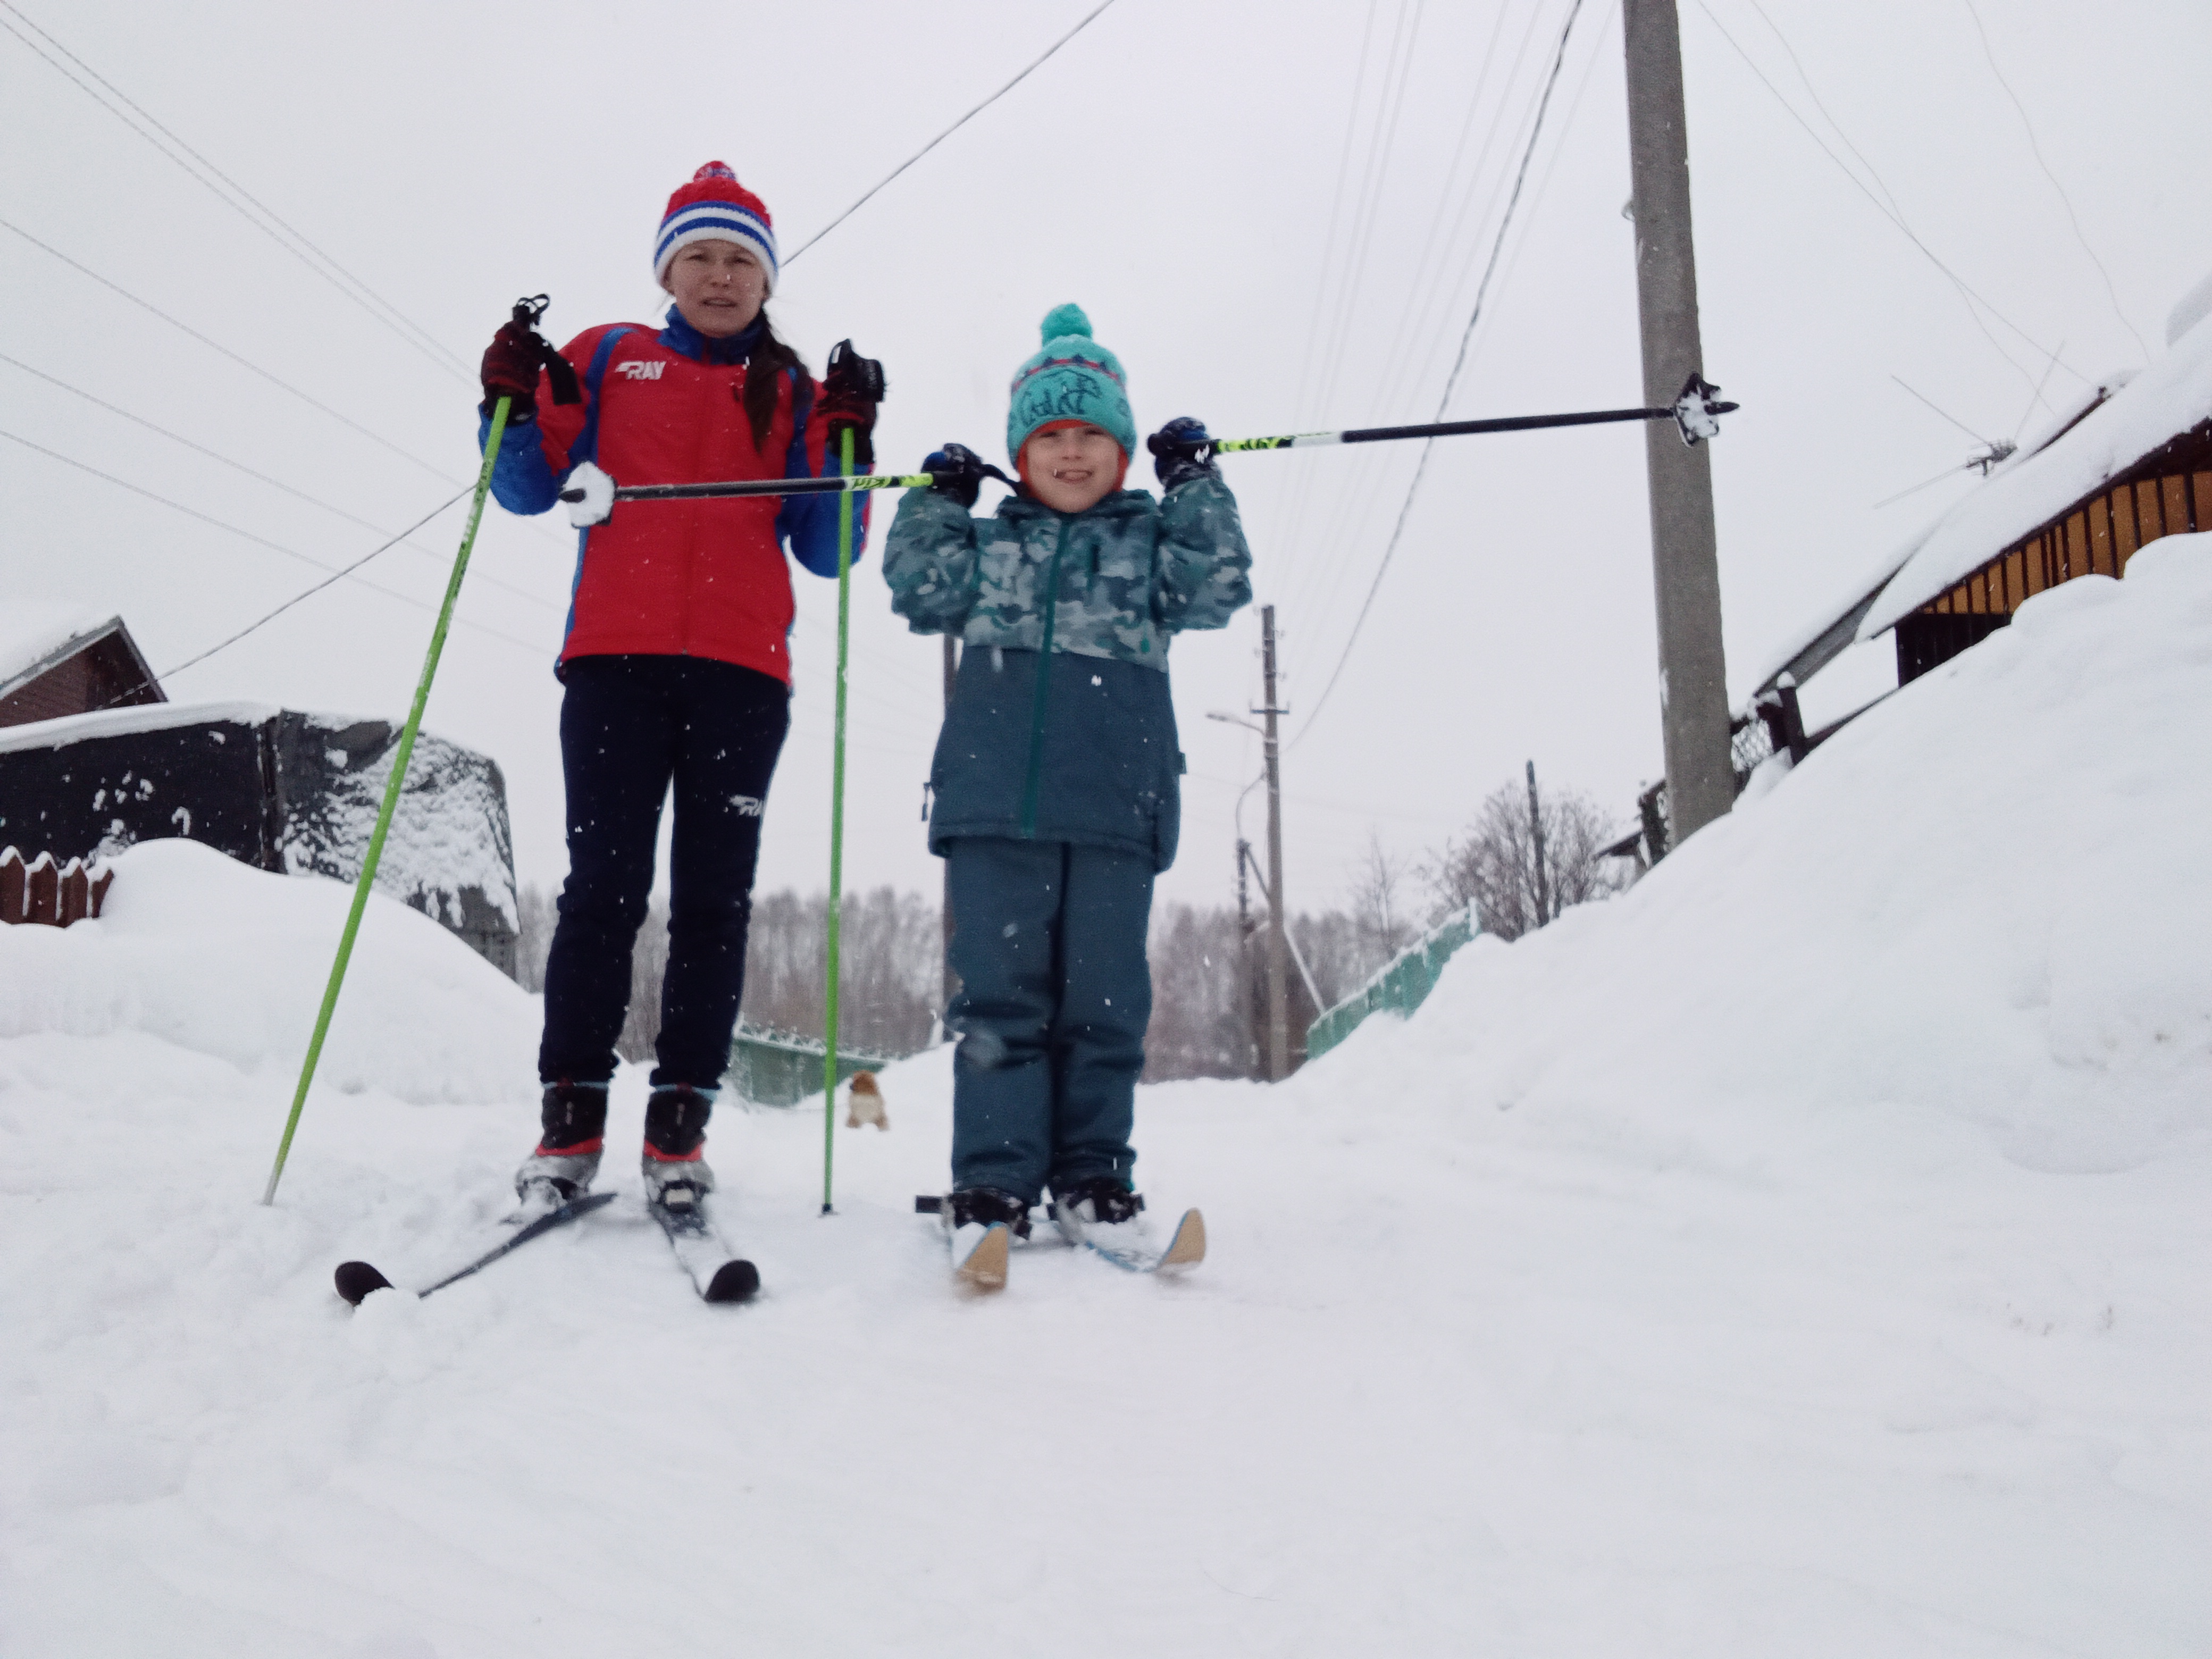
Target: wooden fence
50,894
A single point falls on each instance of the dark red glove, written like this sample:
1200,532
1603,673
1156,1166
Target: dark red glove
510,370
851,387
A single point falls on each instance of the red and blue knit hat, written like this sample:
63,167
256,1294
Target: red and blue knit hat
1074,379
715,208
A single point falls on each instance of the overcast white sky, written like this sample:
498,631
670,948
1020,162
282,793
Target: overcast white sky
1276,213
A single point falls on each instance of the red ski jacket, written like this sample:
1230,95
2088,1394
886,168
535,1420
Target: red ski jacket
678,579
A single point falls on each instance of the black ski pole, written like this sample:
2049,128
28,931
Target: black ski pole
592,493
1696,413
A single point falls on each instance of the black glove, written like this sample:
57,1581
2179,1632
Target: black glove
960,472
1183,450
851,387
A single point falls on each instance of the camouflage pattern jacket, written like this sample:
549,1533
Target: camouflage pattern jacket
1086,750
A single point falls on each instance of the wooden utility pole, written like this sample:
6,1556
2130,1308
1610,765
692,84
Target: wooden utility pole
1692,675
1279,1011
1536,834
951,979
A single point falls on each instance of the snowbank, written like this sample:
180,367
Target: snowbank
1983,903
1805,1253
208,955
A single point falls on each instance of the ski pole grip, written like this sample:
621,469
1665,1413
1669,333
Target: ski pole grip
566,389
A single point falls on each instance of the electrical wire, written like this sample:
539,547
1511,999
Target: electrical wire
224,350
390,315
262,541
1451,382
1308,575
1087,19
1398,361
262,477
1965,291
2066,201
307,593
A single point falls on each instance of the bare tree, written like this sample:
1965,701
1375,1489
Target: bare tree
890,967
1203,996
1494,863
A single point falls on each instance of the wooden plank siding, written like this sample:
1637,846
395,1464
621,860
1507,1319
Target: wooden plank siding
2167,495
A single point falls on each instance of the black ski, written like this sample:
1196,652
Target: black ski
717,1273
356,1280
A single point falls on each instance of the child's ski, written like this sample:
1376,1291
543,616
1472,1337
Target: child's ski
1186,1247
356,1280
984,1267
718,1273
979,1261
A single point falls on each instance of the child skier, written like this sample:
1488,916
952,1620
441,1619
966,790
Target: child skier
1056,776
675,659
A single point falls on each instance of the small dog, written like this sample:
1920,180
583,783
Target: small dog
864,1103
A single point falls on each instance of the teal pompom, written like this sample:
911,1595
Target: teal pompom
1063,320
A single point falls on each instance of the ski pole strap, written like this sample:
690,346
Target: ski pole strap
1696,413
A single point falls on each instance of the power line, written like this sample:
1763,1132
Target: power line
2065,200
262,477
1400,359
171,673
1966,291
262,541
224,350
416,336
1451,382
1087,19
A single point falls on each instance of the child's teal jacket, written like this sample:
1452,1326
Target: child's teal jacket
1088,752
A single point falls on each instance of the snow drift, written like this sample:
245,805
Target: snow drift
1984,901
1803,1253
216,958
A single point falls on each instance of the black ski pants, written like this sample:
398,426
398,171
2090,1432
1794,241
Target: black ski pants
631,727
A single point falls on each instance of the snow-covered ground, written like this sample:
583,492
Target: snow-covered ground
1808,1254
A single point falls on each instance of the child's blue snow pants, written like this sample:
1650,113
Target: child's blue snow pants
1048,940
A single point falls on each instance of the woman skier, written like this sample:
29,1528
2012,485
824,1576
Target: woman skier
675,659
1056,777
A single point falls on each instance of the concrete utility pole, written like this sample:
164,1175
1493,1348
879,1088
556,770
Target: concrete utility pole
1693,677
951,979
1278,1011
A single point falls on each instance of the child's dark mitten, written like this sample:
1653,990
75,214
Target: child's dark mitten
1183,450
959,472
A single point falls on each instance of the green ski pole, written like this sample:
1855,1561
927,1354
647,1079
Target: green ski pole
392,797
837,825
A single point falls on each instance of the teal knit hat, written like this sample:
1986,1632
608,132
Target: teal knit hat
1073,378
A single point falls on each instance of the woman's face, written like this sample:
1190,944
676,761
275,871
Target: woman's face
1072,468
720,288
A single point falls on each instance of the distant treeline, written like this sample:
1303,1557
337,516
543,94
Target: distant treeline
1207,999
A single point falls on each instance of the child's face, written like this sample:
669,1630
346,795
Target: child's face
1073,469
718,286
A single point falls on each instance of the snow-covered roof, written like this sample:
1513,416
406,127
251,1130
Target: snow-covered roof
34,630
2088,441
147,717
2173,394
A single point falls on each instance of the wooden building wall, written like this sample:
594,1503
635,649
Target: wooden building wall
105,674
2167,493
